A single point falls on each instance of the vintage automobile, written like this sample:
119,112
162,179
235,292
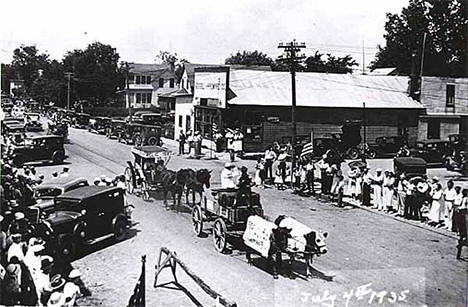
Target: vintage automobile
80,120
33,122
45,193
101,211
139,135
99,124
433,152
458,142
13,128
115,128
387,146
147,118
39,148
59,128
412,167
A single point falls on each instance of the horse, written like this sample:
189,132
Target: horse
169,183
303,240
194,181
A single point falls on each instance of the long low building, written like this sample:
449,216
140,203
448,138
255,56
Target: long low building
259,102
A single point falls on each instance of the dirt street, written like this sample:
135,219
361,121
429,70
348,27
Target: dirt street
372,257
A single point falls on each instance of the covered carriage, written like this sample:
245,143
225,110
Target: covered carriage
141,174
229,211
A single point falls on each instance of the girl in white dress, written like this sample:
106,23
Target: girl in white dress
434,212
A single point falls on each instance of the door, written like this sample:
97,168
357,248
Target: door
96,215
40,150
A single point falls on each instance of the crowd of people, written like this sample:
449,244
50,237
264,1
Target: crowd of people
417,198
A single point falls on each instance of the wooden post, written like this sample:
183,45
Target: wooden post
172,260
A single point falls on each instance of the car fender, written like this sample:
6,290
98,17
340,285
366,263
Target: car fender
118,217
77,229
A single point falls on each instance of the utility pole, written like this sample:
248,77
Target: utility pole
422,56
69,75
292,58
364,121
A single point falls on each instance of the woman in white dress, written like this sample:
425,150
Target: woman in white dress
434,212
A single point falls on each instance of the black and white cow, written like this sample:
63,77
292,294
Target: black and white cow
303,241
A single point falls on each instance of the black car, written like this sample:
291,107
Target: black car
99,125
45,193
433,152
102,207
80,217
33,122
39,148
80,120
388,146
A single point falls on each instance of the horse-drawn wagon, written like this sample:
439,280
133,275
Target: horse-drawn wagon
229,211
141,175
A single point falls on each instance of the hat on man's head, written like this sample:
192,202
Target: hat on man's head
46,262
75,273
19,216
228,165
13,203
56,282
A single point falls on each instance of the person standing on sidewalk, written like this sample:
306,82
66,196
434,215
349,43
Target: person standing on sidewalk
270,157
366,188
449,197
339,191
310,168
377,182
182,139
434,212
457,209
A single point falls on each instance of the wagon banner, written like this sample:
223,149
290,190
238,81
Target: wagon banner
257,234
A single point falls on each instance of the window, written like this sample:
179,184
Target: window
161,82
148,80
138,98
171,83
188,122
433,128
203,102
138,80
450,95
180,120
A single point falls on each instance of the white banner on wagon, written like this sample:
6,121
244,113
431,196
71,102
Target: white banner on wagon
258,233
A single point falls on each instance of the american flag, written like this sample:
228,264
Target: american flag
138,297
307,149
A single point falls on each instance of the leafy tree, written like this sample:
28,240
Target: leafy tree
174,61
97,74
445,25
27,64
249,58
333,64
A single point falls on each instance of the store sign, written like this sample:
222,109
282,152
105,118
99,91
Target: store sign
211,86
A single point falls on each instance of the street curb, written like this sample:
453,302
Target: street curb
422,226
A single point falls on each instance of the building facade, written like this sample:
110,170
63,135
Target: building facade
145,82
446,103
259,102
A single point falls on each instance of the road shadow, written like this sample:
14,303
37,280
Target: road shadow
173,285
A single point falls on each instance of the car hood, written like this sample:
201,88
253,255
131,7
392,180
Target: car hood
60,217
44,203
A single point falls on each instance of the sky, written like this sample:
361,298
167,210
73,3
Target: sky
201,31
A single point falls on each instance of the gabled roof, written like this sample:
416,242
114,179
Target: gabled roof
320,90
148,68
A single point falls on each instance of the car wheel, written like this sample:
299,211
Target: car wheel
58,157
353,153
371,154
152,141
120,228
18,161
66,248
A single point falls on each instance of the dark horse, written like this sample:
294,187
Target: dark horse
169,183
194,181
278,243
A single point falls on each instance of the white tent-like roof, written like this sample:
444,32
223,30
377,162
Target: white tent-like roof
320,90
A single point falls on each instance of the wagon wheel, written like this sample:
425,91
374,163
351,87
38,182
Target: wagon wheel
197,220
145,190
128,181
220,235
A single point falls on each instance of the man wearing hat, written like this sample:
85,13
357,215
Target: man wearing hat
19,224
102,180
11,292
229,176
57,297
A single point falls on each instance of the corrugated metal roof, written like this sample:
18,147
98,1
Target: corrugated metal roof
320,90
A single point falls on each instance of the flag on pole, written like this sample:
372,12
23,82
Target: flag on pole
138,297
307,149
